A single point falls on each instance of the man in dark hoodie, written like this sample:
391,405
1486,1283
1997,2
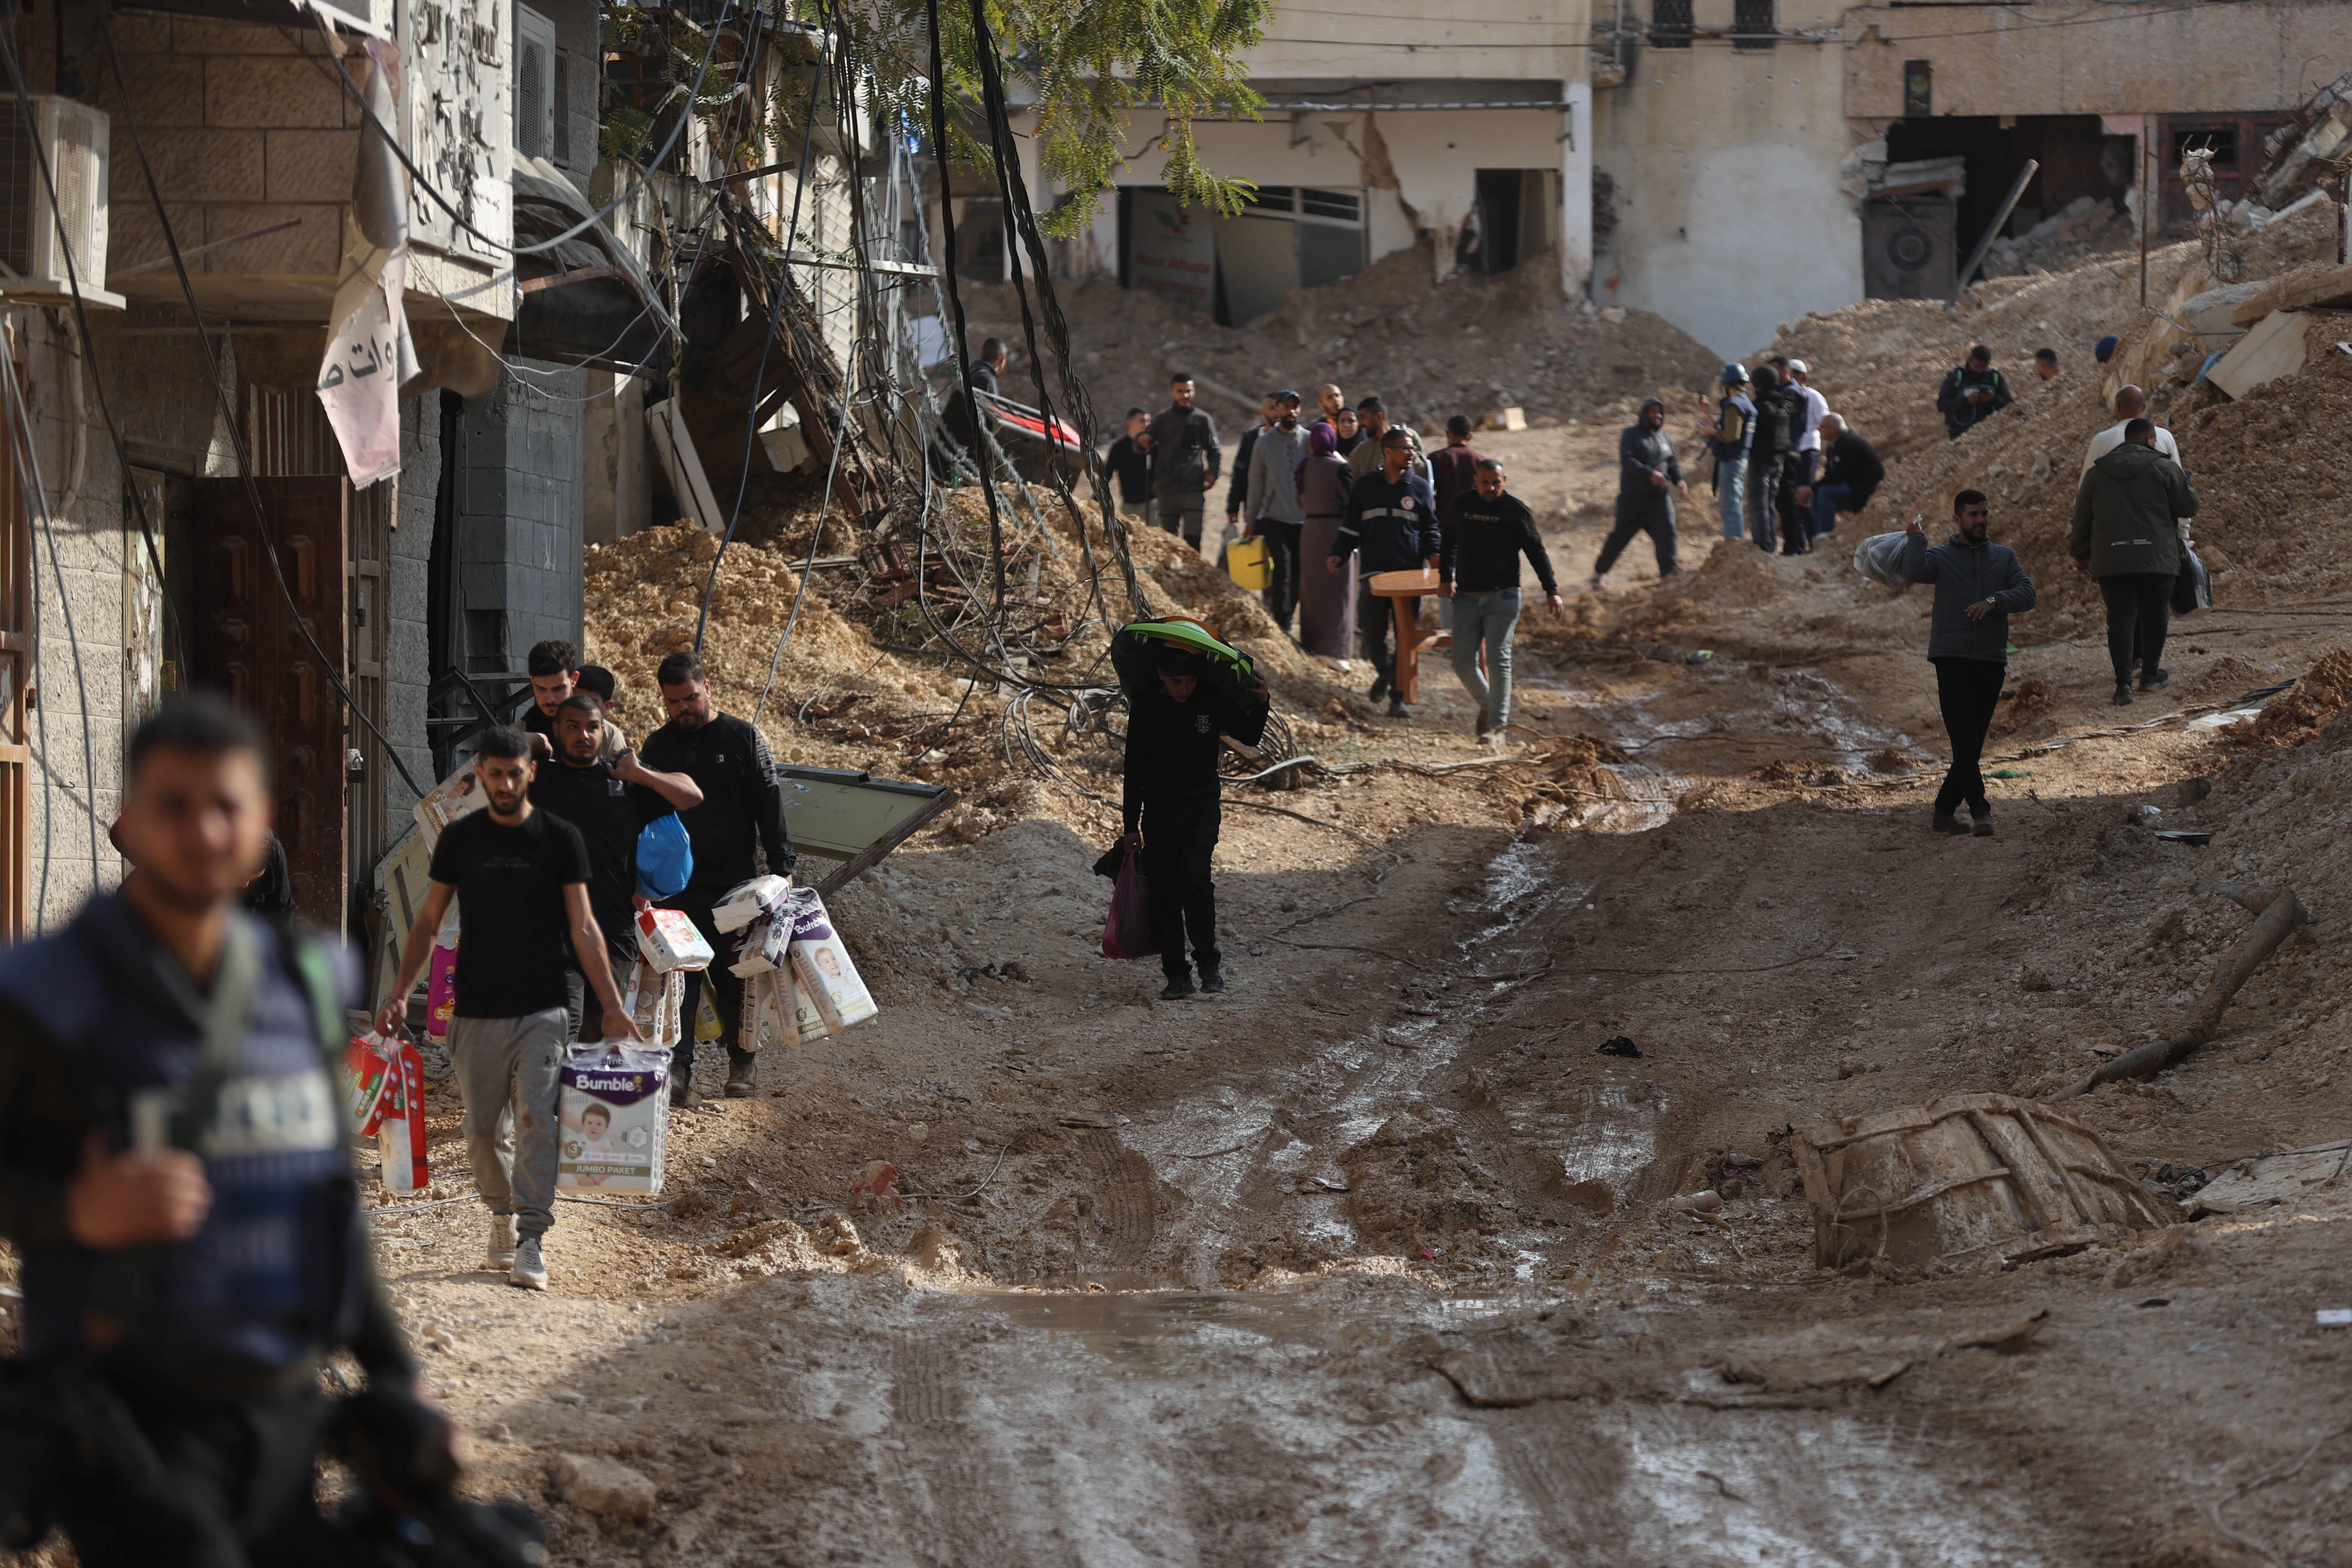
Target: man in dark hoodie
1170,805
1392,516
2124,536
1648,480
1978,584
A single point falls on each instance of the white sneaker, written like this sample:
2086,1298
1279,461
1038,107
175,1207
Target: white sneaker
527,1272
503,1242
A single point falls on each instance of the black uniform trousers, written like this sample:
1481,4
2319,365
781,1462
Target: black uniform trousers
1178,839
1968,689
1652,514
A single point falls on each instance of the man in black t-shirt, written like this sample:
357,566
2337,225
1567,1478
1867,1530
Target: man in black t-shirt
1130,468
610,804
740,823
1485,534
523,874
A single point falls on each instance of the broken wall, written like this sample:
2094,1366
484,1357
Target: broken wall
1724,168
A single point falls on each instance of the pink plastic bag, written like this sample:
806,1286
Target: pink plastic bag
1128,933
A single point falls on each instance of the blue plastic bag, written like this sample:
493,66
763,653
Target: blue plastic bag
665,858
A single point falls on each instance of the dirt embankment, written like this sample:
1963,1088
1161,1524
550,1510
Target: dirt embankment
1470,346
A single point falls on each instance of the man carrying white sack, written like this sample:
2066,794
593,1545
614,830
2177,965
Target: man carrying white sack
523,874
740,824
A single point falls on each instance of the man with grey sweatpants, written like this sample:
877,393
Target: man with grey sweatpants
520,876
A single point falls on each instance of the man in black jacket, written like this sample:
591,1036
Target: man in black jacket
1185,460
176,1188
1972,392
1392,516
1850,472
738,826
1486,532
1648,479
1170,807
1131,469
1777,412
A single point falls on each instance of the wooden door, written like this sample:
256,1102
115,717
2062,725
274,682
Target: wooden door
248,644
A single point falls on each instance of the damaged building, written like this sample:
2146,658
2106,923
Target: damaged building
1728,165
356,519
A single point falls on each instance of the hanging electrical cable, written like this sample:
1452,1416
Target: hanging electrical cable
329,666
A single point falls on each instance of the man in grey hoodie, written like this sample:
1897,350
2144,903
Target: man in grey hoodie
2124,536
1274,511
1977,584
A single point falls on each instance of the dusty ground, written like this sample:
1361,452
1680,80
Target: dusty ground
1374,1258
1207,1283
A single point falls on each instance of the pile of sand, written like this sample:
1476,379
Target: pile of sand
2298,715
1470,346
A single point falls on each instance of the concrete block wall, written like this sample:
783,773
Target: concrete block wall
519,516
246,127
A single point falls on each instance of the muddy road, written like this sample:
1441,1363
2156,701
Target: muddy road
1377,1257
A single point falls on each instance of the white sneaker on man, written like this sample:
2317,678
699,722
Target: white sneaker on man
502,1243
528,1272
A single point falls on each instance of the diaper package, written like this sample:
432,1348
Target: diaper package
669,940
615,1118
822,966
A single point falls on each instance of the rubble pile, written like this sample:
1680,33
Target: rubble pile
1473,344
2084,228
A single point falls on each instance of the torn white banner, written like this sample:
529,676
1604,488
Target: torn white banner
370,353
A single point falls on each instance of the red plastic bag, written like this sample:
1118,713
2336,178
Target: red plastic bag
1128,933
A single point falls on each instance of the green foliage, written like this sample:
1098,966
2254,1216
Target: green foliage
1088,67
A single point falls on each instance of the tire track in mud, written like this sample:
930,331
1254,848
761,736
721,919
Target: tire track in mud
952,1496
1570,1475
1126,1201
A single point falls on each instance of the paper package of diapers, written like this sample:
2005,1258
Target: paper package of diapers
614,1113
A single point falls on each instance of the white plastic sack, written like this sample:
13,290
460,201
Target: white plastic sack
1879,558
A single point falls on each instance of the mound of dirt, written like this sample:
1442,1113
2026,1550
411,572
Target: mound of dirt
1469,345
1414,1184
2303,709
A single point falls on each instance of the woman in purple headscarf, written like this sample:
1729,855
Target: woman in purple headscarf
1326,601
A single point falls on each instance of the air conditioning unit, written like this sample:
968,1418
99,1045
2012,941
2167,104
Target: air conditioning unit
35,233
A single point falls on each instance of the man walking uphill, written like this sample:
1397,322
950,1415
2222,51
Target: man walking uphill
1170,807
1185,457
1392,516
173,1177
1978,584
1486,532
1648,479
522,877
738,826
2124,536
1972,392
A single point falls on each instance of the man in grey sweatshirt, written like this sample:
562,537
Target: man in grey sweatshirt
1977,584
1274,511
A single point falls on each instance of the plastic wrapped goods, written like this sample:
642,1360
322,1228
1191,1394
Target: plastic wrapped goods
747,901
1879,558
460,795
400,1129
822,965
765,946
668,940
613,1110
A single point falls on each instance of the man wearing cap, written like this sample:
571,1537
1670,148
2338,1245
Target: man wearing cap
1729,435
1972,392
1805,462
1171,809
1269,408
1274,509
1392,516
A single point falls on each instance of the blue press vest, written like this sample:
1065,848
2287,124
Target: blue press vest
272,1277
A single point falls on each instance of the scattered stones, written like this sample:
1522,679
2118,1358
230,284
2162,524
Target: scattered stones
601,1486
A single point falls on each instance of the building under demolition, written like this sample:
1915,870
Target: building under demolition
1728,165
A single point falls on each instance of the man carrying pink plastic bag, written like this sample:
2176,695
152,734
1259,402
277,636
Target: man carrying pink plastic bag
1170,805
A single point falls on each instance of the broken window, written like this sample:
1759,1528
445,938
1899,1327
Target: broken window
1670,24
1752,24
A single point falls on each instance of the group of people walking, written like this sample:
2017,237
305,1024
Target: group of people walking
1337,500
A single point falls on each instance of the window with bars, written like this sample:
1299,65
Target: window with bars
1670,24
1753,26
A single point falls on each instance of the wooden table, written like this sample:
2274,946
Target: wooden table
1400,588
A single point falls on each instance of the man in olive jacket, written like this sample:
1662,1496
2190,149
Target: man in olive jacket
1978,584
2126,538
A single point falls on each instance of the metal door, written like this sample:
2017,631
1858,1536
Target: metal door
248,644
